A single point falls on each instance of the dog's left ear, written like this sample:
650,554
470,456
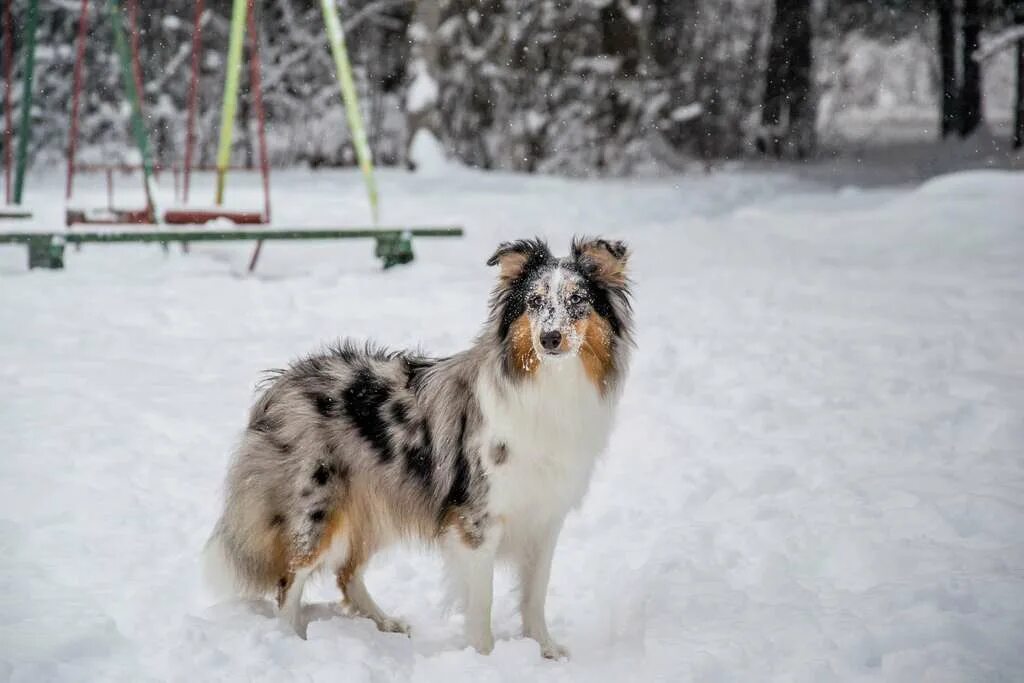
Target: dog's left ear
604,260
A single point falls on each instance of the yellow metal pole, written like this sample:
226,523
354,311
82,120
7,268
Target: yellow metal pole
336,38
227,119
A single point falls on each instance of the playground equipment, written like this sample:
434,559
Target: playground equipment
248,20
131,78
12,196
46,249
128,54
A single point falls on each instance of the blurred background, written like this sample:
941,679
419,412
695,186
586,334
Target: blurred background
578,88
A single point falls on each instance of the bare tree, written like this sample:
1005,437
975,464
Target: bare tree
788,112
1018,124
947,66
970,88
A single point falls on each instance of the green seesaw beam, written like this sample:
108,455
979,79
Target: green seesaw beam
393,245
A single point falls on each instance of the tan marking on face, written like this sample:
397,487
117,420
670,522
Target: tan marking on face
595,349
524,359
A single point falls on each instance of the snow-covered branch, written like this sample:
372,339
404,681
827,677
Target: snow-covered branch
999,42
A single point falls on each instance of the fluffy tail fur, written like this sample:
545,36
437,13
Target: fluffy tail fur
237,564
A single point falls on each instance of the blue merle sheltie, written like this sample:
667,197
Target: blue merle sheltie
482,454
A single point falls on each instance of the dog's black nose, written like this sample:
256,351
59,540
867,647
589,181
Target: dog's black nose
551,340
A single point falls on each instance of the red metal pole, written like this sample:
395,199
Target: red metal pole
261,119
193,97
76,94
133,27
256,84
8,72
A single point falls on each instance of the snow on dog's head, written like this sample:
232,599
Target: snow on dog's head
548,309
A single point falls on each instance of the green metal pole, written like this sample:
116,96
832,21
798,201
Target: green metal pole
336,37
138,127
29,65
227,118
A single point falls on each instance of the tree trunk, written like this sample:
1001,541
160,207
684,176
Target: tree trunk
422,32
970,91
1018,124
947,66
788,111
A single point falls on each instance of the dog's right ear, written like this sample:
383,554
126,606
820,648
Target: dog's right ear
513,258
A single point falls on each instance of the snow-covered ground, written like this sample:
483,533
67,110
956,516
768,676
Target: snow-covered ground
817,474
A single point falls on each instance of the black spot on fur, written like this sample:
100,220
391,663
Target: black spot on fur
499,454
325,405
419,460
317,516
458,493
277,520
415,369
321,475
364,399
282,582
399,413
306,493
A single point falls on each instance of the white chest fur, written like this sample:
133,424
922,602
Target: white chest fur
553,426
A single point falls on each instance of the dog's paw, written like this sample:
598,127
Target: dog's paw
552,650
392,625
482,642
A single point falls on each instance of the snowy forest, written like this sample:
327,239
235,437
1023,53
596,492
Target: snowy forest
578,87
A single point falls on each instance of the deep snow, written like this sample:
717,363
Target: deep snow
817,471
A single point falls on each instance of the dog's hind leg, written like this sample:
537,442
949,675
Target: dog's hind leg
357,599
289,599
359,602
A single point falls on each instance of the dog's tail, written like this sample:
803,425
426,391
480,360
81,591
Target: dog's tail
241,564
220,570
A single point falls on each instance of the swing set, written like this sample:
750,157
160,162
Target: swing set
128,53
46,249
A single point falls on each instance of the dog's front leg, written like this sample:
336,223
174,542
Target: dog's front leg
534,572
471,563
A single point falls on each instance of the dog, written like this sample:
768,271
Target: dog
482,454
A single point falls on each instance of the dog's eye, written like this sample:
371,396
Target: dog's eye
575,299
535,301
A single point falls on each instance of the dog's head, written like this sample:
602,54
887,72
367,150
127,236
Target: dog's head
547,308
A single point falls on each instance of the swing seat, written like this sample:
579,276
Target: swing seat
12,212
111,216
200,216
